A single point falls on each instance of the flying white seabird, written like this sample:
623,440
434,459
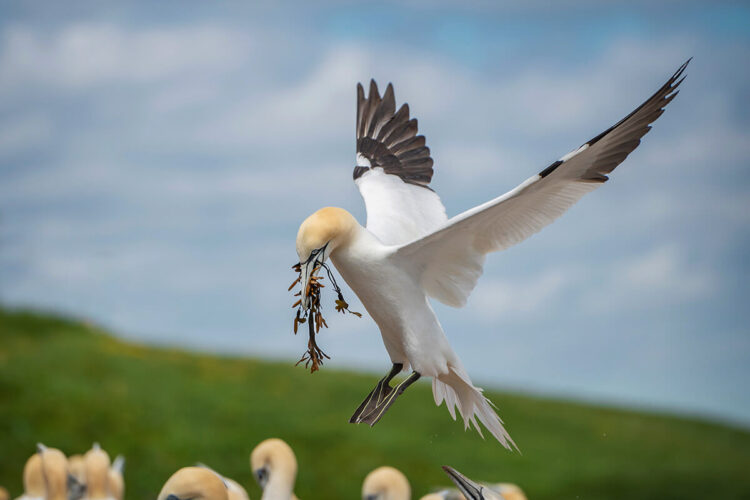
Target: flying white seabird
410,251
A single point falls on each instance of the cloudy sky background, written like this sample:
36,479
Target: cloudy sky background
156,160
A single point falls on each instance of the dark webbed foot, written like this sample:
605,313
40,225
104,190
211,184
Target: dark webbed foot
382,397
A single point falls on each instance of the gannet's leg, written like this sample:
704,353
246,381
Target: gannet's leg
375,408
380,392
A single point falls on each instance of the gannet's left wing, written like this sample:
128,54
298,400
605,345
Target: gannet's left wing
449,261
393,170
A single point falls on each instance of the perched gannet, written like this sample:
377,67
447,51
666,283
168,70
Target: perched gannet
77,468
97,465
386,483
115,479
33,479
411,251
478,491
55,473
274,466
234,489
194,483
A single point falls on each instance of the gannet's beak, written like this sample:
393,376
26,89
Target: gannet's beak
317,258
76,489
469,488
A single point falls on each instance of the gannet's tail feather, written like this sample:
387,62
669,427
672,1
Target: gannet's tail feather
456,389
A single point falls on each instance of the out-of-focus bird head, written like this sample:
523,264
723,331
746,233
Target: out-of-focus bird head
97,463
386,483
54,471
318,238
194,483
273,458
33,477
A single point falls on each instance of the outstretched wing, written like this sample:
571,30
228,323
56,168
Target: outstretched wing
393,170
449,261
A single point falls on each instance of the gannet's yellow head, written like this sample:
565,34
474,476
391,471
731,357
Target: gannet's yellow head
4,495
55,472
33,478
194,483
319,236
273,458
97,472
386,483
77,467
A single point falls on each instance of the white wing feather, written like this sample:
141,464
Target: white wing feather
450,260
398,212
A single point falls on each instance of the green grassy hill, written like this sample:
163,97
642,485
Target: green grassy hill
68,384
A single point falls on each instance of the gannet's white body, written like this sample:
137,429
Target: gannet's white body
410,251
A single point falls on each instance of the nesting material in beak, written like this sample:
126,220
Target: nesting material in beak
308,310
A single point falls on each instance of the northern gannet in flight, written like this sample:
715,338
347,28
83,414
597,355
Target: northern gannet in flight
410,251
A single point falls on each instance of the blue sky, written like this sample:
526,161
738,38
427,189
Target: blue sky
157,159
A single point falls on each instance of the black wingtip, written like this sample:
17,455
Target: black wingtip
681,69
374,89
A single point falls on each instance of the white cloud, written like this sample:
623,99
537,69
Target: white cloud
660,277
84,55
501,298
24,132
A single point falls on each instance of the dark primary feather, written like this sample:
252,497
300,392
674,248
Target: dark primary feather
619,140
388,138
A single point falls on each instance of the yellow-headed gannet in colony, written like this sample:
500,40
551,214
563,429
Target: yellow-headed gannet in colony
115,479
97,465
386,483
33,479
77,467
411,251
274,466
55,473
194,483
235,491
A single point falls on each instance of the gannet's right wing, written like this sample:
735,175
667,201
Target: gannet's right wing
449,260
394,170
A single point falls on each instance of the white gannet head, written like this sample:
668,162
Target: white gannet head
54,472
97,465
33,477
319,236
274,466
194,483
386,483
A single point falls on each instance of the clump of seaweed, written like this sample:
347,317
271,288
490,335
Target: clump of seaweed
314,356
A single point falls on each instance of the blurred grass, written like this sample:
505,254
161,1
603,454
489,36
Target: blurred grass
67,383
